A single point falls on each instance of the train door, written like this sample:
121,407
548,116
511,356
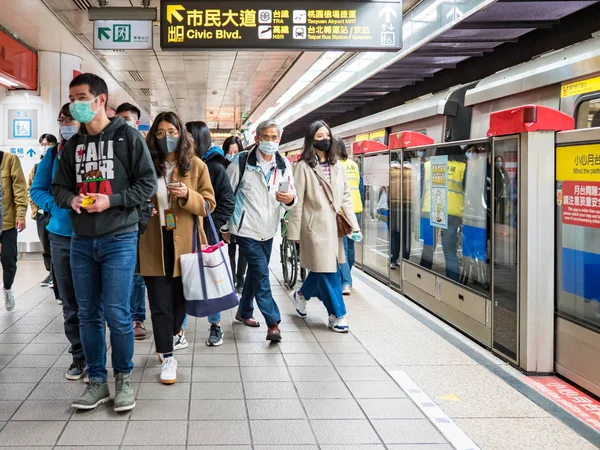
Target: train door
358,246
397,244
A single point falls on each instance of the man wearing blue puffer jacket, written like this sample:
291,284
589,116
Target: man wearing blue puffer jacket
60,231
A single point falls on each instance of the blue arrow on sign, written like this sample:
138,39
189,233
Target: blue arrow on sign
31,152
18,113
25,114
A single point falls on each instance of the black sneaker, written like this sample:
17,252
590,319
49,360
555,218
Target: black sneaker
51,283
46,281
215,337
76,370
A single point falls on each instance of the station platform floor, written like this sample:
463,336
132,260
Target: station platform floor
401,379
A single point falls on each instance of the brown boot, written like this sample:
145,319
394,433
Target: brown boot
139,330
273,334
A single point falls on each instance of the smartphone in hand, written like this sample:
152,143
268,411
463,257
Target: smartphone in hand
284,187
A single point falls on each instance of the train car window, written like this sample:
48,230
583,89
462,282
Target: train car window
460,252
588,113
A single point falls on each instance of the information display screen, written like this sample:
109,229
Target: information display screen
193,25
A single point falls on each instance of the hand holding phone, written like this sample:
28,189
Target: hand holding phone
284,187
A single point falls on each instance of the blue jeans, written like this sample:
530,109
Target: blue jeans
103,275
346,267
215,318
327,287
138,299
257,285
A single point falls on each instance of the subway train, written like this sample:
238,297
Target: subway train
482,204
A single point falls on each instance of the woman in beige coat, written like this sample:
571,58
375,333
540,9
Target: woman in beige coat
322,190
184,190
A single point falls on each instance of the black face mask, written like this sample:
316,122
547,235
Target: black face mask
324,145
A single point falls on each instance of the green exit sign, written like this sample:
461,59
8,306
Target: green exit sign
122,35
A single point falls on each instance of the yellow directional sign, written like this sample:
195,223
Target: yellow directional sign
173,11
450,397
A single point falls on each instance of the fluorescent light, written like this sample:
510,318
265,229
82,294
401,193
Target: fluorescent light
7,82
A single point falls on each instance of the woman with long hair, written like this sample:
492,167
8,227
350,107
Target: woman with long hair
323,192
184,189
216,162
232,146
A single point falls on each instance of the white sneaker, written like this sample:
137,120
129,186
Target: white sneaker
338,324
346,290
168,371
180,342
9,299
299,303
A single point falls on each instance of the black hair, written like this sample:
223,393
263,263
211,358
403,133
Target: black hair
185,147
230,141
201,136
128,107
51,139
96,84
309,154
340,147
42,137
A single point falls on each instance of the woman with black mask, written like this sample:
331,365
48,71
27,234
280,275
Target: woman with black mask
322,191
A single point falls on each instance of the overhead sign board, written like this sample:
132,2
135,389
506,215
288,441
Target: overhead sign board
192,25
123,35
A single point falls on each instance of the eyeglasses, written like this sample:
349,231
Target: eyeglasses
160,134
272,138
65,120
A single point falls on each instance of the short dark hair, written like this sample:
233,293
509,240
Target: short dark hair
201,136
309,154
340,147
97,85
230,141
51,139
42,137
128,107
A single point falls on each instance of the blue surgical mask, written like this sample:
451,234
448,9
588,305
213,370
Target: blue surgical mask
67,132
131,124
81,110
499,164
168,144
268,147
229,157
470,155
421,153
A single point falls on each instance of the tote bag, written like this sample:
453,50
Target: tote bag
206,276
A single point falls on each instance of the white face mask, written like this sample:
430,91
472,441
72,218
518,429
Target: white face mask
268,147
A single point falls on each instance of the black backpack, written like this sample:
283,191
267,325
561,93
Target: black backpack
243,159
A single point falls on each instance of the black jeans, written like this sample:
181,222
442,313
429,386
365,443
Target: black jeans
61,260
165,295
44,235
242,263
8,257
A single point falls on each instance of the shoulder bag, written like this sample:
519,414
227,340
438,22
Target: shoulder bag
344,227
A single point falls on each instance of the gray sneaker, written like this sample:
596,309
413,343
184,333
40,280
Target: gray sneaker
215,337
77,369
124,397
94,394
9,299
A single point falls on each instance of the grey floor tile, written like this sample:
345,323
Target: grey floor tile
202,349
262,360
222,432
344,432
152,375
11,349
182,360
24,328
322,389
363,373
156,433
54,375
17,338
351,347
148,447
96,432
301,347
7,408
354,447
375,389
269,390
160,410
314,373
218,410
221,447
44,349
50,338
408,431
57,391
290,336
342,359
102,412
390,408
21,375
332,409
157,391
4,359
15,391
315,359
216,391
44,410
326,335
258,347
263,374
215,360
275,409
16,434
284,432
285,447
215,374
419,447
33,361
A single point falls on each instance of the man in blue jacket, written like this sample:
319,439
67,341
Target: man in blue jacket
60,231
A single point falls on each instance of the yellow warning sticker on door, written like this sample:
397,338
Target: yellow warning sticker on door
580,87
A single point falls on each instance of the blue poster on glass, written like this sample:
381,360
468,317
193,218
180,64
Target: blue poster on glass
439,192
